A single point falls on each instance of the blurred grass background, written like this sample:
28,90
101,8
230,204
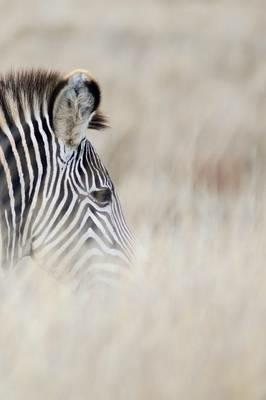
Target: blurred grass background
184,86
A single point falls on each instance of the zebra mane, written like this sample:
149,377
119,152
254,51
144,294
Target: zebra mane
30,82
25,89
21,91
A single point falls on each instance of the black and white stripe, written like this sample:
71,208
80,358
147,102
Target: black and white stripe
58,203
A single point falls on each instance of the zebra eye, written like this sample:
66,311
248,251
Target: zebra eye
102,195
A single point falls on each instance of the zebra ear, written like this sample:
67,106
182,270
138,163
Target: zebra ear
75,107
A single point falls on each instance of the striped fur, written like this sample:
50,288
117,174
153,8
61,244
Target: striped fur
58,203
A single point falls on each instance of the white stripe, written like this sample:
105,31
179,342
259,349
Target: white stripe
86,176
44,230
39,215
110,228
12,201
67,242
70,272
5,129
55,233
54,151
27,154
89,253
8,234
90,234
39,177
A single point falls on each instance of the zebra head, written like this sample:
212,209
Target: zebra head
58,202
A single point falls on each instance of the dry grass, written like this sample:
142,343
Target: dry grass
184,85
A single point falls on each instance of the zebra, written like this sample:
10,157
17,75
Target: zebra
58,202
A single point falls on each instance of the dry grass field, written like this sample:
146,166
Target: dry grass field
184,84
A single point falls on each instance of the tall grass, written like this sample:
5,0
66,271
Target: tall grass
184,85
